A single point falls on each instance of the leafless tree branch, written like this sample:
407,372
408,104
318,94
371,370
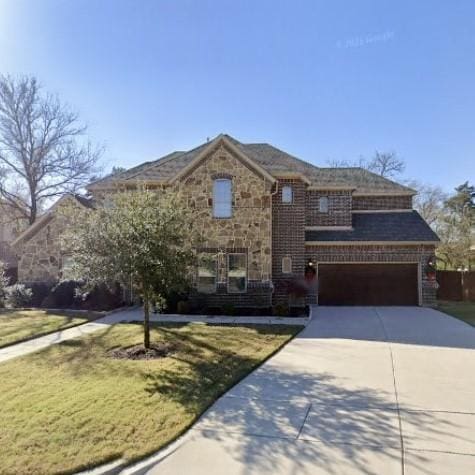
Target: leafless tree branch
43,150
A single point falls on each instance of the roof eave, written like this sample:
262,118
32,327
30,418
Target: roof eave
371,243
385,193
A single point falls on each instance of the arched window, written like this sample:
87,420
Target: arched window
287,195
222,198
323,204
286,265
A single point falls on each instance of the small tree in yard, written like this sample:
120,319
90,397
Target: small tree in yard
141,239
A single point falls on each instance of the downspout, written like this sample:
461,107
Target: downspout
272,194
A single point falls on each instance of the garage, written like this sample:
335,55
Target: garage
368,284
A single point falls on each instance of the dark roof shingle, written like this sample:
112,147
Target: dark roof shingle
271,159
396,226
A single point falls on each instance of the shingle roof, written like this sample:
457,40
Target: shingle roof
270,158
396,226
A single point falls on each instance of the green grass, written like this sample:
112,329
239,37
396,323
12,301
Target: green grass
70,407
21,325
462,310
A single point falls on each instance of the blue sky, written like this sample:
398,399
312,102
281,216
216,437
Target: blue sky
323,80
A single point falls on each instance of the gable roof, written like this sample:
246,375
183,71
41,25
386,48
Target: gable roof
266,159
396,226
45,218
233,145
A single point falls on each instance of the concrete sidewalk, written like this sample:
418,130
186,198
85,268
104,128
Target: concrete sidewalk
41,342
134,315
385,390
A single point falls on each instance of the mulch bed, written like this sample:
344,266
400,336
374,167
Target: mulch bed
139,352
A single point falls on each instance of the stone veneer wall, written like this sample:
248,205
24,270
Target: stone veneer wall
382,202
248,230
379,254
288,236
40,256
339,208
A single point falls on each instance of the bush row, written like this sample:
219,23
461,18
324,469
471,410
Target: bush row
65,294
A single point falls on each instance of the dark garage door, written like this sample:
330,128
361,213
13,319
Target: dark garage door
367,284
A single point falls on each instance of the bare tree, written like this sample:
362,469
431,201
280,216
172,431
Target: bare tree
338,163
43,151
429,202
386,164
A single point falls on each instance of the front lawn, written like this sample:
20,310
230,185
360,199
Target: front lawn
462,310
20,325
70,406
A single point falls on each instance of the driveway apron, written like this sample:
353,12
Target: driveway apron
365,390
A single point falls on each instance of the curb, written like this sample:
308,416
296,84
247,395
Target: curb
111,468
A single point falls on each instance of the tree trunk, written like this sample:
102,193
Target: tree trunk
146,321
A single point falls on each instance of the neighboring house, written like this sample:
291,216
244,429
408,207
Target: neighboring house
42,254
268,218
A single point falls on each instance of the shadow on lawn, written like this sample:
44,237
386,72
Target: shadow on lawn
350,424
41,326
195,345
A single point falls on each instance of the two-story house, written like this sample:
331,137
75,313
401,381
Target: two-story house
268,218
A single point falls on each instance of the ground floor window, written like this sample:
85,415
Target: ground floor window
287,265
207,274
237,273
67,265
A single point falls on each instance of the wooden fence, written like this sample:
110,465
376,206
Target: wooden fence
455,285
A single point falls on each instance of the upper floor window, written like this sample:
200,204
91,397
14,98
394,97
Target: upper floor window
287,194
323,204
222,198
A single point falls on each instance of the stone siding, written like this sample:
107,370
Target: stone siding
419,254
247,231
339,208
40,255
362,203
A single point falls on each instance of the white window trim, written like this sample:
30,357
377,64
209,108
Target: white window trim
291,195
320,204
227,273
215,288
290,265
214,198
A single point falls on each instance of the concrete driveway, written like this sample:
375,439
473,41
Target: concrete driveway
362,390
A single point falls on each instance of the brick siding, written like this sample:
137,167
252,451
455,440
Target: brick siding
258,295
339,208
382,202
288,235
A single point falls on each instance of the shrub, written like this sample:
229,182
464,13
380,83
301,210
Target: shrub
40,291
18,295
183,307
101,297
63,295
172,300
281,310
229,309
